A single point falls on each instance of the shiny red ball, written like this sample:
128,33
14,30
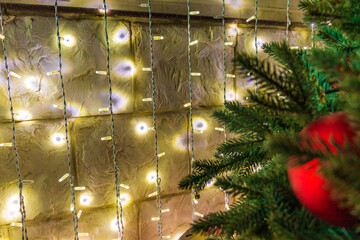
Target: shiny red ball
309,186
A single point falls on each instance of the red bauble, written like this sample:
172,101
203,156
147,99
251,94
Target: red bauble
309,186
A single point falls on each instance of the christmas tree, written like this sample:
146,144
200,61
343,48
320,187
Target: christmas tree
281,128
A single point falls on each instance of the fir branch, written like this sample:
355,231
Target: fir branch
205,170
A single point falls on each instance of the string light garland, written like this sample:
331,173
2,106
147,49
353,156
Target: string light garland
157,156
19,182
287,20
73,201
256,37
119,216
225,82
189,13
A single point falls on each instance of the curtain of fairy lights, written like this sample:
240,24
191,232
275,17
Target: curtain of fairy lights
73,202
20,182
158,180
119,207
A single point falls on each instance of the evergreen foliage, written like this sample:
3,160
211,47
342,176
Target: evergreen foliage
299,88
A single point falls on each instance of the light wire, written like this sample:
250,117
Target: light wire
158,179
74,216
256,37
20,183
119,216
225,82
287,20
191,106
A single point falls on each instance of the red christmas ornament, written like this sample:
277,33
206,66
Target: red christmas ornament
309,186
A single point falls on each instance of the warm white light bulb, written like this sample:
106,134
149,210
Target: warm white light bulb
260,42
6,144
66,175
85,199
102,11
11,73
219,129
187,105
124,198
230,95
122,35
58,139
32,83
124,186
68,40
53,73
194,74
151,177
198,214
22,115
114,225
194,12
157,38
141,128
199,124
152,194
79,214
250,19
194,42
12,208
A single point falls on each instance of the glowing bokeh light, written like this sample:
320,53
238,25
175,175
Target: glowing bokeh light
13,208
141,128
32,84
68,40
58,139
234,4
181,141
122,35
119,101
114,225
125,68
85,199
22,115
151,177
230,95
199,124
124,198
260,43
233,31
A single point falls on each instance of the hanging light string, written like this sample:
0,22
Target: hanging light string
74,216
20,182
158,180
224,57
256,38
191,106
287,20
225,82
256,27
119,215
